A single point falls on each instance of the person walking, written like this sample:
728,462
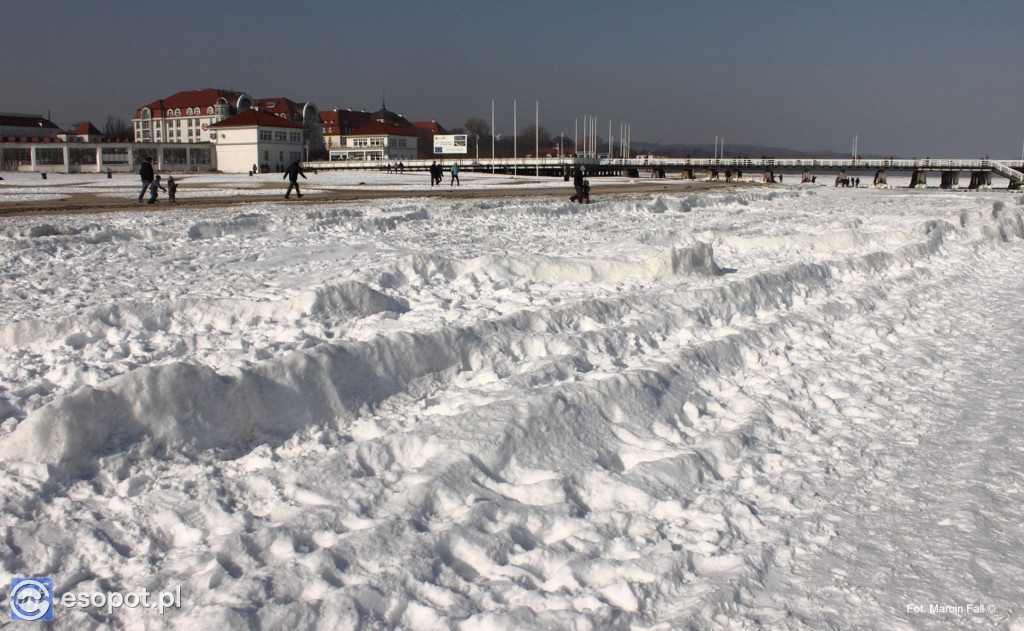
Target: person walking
577,182
146,175
293,172
435,174
172,189
455,175
154,187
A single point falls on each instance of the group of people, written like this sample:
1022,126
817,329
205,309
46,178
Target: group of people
436,175
151,183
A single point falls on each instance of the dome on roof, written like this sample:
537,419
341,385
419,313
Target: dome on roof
385,115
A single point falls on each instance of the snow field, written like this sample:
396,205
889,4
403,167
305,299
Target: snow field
483,415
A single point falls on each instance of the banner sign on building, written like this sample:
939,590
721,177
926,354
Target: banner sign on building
452,143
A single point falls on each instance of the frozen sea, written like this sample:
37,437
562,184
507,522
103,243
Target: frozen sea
784,407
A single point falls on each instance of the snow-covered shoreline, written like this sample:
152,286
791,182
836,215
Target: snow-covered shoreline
657,411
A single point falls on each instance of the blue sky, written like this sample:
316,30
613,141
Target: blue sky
908,78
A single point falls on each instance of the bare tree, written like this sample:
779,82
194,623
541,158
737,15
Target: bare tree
533,135
117,128
478,131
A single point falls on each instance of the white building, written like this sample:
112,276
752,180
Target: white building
186,117
377,141
83,132
305,114
256,138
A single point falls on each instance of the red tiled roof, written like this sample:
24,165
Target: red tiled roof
377,128
343,121
280,106
432,126
256,118
190,98
85,128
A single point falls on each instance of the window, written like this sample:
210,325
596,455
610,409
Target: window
174,156
280,136
199,156
209,110
19,155
265,134
114,155
294,137
49,155
78,155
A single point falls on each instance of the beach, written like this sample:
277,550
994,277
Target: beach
386,406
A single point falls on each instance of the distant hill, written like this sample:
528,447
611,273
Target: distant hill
734,151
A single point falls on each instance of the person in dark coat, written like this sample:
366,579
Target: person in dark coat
146,174
577,182
293,172
435,174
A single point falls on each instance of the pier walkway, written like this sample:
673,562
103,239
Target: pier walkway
949,170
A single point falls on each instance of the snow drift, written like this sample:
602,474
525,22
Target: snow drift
653,412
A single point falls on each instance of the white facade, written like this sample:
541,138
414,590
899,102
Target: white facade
377,146
305,114
100,157
268,147
189,120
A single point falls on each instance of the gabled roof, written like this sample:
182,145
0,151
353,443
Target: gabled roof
281,106
85,128
377,128
256,118
191,98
